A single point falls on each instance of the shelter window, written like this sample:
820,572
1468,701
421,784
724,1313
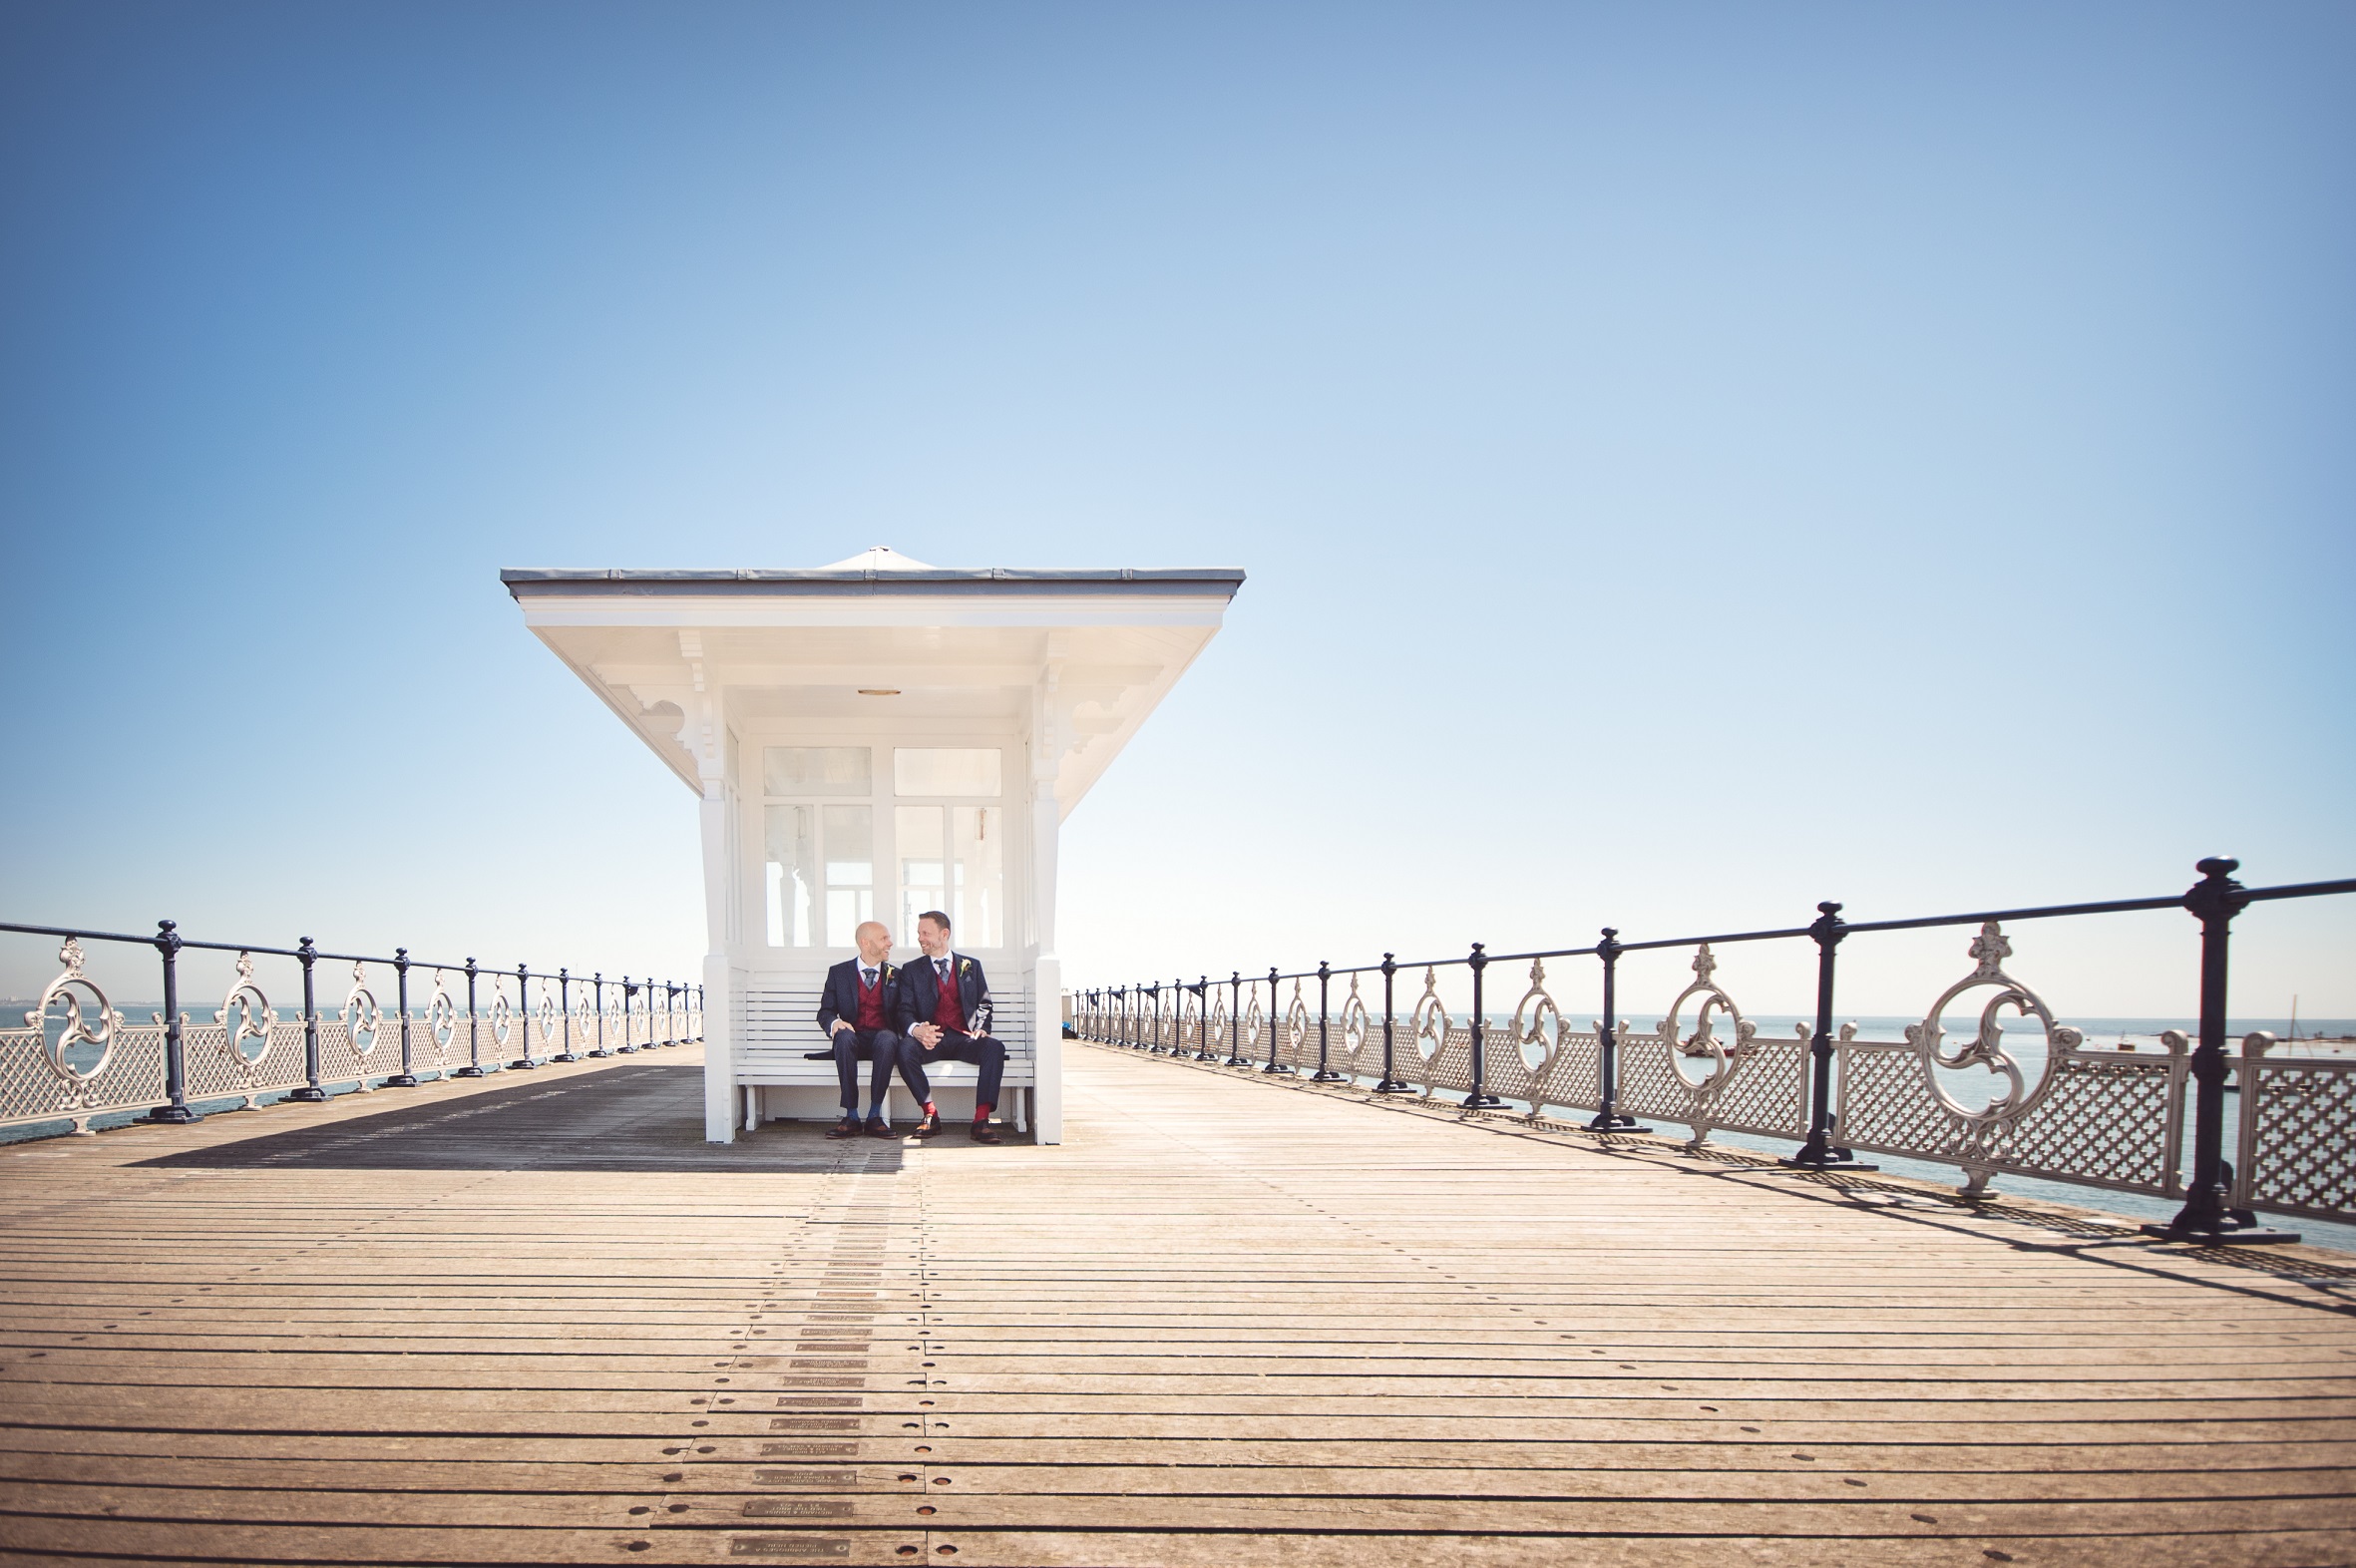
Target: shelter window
820,873
952,859
948,770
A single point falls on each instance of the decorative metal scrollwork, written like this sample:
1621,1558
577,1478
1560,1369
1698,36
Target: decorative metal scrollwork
245,1015
441,1015
1429,1021
1986,1049
362,1019
1704,1041
1537,1006
503,1013
1355,1024
584,1023
1255,1026
96,1027
1297,1023
546,1015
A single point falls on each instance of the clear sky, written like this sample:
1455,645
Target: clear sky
1691,459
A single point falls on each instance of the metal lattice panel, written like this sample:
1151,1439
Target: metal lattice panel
1573,1075
2298,1145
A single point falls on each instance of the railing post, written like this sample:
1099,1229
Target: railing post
1820,1154
2208,1217
1607,1115
1202,1011
311,1092
175,1110
1235,1019
406,1078
597,1006
565,1006
474,1039
1479,1098
523,1015
1390,1083
630,994
1276,1024
1324,976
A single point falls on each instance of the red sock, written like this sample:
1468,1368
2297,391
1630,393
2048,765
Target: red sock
982,1112
929,1108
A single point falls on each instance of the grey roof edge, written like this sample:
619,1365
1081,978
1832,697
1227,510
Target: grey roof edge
1169,580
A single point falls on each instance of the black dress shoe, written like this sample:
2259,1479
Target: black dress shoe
982,1134
848,1127
930,1127
876,1129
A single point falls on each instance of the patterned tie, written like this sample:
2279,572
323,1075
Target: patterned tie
868,979
943,966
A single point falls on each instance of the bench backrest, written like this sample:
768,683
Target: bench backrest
781,1023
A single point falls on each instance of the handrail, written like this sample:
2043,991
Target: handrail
678,1019
2215,1207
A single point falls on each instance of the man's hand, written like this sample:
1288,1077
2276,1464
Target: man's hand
926,1035
839,1026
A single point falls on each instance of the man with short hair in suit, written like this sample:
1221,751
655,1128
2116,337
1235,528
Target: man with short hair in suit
859,1010
944,1016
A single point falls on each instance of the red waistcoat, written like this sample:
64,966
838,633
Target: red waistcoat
948,1010
870,1000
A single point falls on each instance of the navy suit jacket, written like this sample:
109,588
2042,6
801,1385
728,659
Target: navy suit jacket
839,998
920,989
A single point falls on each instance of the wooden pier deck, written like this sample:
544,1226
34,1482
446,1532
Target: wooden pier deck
536,1320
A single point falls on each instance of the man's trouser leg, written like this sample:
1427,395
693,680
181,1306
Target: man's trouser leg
911,1069
881,1047
984,1054
847,1054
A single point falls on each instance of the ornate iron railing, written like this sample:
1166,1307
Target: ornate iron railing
77,1057
2111,1118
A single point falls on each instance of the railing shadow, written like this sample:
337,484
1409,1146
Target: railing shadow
633,1118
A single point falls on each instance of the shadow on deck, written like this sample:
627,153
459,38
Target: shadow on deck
635,1117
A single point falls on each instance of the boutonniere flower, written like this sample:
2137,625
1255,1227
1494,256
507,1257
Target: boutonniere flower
964,965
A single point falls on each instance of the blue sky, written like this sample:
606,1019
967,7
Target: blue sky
1691,460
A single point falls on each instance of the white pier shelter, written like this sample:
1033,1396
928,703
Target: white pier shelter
869,740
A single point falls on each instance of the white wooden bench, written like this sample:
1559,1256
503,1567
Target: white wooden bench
780,1024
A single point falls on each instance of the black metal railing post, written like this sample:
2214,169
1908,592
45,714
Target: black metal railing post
1390,1083
1202,1008
1820,1154
629,995
473,1038
175,1110
565,1006
1325,1073
311,1091
406,1078
1607,1115
524,1016
1480,1098
2208,1217
1275,1029
597,1006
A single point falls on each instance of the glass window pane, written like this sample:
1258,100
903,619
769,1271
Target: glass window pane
791,874
945,770
977,836
924,866
818,770
850,871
